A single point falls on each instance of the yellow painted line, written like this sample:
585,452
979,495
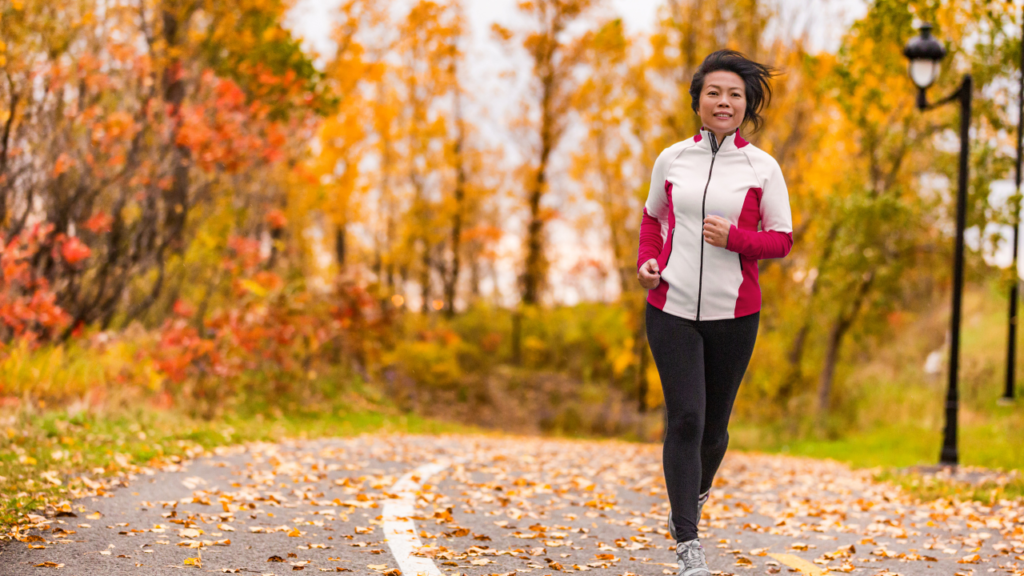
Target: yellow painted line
800,564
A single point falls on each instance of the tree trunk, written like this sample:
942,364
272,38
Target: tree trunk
796,351
535,268
7,189
835,340
828,370
452,280
425,279
517,328
176,197
339,246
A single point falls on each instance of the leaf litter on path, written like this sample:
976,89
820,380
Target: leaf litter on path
550,505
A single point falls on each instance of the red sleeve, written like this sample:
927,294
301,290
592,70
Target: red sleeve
650,239
760,245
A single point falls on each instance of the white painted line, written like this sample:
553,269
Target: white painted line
400,530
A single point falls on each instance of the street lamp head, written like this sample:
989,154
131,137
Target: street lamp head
924,53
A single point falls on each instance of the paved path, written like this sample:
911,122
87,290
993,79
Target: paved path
487,505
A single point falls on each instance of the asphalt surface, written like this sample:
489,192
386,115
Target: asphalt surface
509,505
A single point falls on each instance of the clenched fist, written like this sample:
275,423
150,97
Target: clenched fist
649,275
716,231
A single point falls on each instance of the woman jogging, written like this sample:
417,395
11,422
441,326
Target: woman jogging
699,247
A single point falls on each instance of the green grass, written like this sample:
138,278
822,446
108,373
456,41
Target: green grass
897,447
893,450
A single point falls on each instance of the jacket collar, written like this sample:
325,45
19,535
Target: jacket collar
706,139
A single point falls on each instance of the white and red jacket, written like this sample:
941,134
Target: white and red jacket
696,178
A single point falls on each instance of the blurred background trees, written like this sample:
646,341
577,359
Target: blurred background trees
183,169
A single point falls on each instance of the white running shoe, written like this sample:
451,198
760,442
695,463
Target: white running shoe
690,556
701,500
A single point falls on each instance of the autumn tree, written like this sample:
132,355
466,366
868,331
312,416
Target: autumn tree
332,184
554,57
135,127
876,246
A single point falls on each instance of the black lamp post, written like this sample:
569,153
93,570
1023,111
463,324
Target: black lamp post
1011,339
925,53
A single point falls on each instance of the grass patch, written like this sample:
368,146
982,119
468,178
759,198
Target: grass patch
984,445
986,448
929,487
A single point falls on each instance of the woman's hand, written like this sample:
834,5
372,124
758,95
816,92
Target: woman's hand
649,275
716,231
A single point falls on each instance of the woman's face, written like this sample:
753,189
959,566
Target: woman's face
723,102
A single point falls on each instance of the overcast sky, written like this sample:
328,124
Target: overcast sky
312,19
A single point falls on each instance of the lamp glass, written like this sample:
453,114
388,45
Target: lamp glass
923,72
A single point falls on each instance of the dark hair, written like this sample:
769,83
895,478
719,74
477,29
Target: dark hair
755,76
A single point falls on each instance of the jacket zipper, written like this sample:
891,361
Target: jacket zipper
703,215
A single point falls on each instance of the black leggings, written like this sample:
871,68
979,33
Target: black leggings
701,364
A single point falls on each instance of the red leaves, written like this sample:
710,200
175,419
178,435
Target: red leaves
181,348
255,331
229,95
99,223
28,306
184,309
74,251
276,219
225,132
246,251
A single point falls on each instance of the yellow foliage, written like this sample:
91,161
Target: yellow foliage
75,369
